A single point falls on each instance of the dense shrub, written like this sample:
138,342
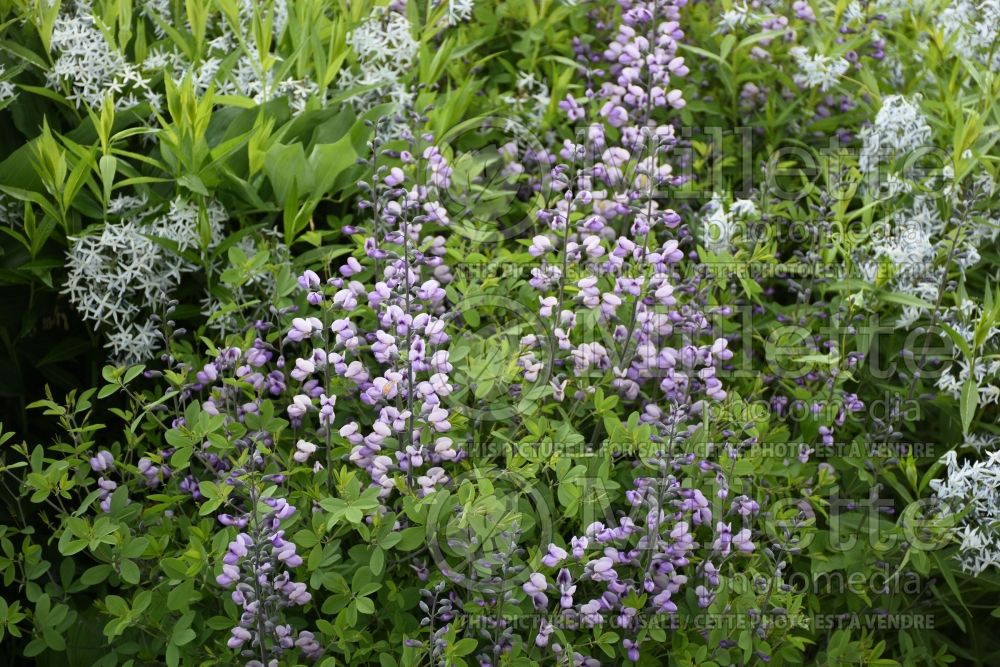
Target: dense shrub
514,333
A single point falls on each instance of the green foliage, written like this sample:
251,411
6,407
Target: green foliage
127,576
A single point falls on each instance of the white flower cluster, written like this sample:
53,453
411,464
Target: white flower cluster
133,342
916,231
909,238
720,227
91,68
986,369
913,238
529,100
736,17
906,238
899,127
121,204
894,10
247,77
817,71
157,11
973,28
854,13
115,273
298,92
972,490
963,319
234,63
756,16
458,10
7,91
278,13
11,211
980,442
385,49
384,40
180,223
981,232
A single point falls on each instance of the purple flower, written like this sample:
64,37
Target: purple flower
804,11
303,450
632,648
540,245
395,177
300,405
309,280
742,541
705,596
240,636
304,327
535,584
602,569
230,575
572,108
102,461
745,506
554,556
566,588
615,115
545,629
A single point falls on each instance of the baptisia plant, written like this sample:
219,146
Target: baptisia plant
608,257
369,340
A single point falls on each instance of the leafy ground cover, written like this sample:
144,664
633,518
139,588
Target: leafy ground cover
455,332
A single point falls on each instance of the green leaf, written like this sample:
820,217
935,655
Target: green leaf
728,42
412,538
116,605
958,339
328,161
95,574
184,637
108,390
182,633
945,569
130,572
464,647
180,597
377,561
177,438
287,169
365,605
173,656
194,184
180,458
905,300
108,167
969,402
132,373
141,602
53,639
72,547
